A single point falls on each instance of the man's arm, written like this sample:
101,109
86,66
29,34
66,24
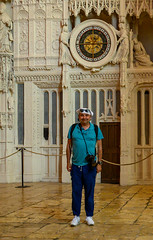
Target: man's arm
99,143
68,154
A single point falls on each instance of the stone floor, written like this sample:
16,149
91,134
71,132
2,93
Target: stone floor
43,211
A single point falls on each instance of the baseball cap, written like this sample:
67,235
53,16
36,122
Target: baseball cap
84,110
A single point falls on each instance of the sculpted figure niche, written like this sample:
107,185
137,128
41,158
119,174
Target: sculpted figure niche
123,48
141,58
65,55
6,37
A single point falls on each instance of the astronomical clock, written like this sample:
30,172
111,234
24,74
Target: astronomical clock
93,43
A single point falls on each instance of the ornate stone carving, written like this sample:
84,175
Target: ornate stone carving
10,120
96,80
2,120
43,68
141,76
57,8
56,31
125,104
40,37
57,13
40,10
42,81
39,2
19,2
65,55
141,58
47,85
11,81
23,13
6,119
123,74
138,79
101,76
6,37
55,45
10,102
134,7
114,117
123,49
76,6
6,73
23,33
6,69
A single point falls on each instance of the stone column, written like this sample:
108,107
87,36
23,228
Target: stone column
126,157
122,11
125,143
66,101
66,118
7,101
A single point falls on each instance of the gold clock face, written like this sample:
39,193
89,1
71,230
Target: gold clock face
93,43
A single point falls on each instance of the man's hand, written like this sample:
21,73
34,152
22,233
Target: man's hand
68,155
99,168
69,167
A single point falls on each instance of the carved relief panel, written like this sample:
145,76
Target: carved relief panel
40,32
37,30
55,34
23,33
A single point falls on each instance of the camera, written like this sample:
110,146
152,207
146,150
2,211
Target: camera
91,160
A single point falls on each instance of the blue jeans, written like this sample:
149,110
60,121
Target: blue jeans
83,176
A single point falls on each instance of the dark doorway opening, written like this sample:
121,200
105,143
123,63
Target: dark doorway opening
111,152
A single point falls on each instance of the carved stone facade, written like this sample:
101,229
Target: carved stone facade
56,55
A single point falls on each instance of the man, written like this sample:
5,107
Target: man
83,140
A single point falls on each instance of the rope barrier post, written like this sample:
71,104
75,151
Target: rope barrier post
22,168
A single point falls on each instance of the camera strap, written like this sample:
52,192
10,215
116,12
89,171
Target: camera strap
84,139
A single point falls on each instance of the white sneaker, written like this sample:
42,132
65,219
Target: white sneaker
89,221
75,221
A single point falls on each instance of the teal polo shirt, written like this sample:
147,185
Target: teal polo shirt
78,144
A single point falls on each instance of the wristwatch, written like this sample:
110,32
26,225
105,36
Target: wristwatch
99,163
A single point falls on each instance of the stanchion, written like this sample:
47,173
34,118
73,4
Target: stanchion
22,169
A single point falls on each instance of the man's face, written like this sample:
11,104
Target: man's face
84,118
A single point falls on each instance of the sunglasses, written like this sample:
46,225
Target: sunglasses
85,110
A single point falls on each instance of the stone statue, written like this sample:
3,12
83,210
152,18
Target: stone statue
123,49
65,55
11,81
141,58
6,37
10,102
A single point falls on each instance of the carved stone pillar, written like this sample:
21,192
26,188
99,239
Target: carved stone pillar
6,93
66,101
122,11
66,117
126,157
